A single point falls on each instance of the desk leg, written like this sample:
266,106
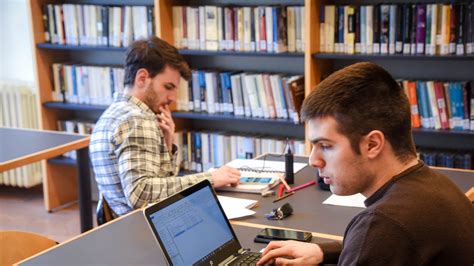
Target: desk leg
84,181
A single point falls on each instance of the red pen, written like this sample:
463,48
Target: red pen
283,181
310,183
280,190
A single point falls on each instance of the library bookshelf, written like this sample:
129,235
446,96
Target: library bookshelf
60,176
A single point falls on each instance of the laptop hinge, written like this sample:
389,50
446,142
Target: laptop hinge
231,257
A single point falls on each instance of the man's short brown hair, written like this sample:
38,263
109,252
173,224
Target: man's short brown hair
153,54
364,97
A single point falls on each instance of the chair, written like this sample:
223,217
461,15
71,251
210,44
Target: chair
16,246
104,212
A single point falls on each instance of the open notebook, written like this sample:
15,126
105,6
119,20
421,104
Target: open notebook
258,175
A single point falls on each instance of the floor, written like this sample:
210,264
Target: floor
23,209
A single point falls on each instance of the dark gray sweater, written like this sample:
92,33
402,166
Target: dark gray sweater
418,218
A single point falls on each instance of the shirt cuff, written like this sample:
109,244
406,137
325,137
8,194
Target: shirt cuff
174,149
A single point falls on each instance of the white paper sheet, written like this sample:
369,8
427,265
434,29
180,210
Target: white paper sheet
264,165
236,207
356,200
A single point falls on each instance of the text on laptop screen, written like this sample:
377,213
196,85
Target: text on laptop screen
192,227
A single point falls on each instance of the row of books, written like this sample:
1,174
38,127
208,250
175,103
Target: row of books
201,151
116,26
273,29
431,29
75,126
243,94
460,160
86,84
441,105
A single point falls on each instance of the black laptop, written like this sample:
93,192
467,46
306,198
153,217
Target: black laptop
192,229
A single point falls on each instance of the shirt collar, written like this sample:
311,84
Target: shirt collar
125,97
381,191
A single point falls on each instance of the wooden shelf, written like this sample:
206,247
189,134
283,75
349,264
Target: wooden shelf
391,57
74,106
80,47
462,140
181,115
232,53
229,117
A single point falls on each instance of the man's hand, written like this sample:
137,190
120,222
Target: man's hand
300,252
167,125
224,176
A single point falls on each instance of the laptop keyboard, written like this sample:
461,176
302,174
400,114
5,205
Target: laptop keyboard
248,258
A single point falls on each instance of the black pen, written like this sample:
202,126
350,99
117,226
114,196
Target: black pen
285,196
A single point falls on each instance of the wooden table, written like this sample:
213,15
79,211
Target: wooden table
20,147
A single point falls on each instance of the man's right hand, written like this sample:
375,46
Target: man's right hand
225,176
301,253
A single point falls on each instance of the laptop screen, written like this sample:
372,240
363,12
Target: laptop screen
191,227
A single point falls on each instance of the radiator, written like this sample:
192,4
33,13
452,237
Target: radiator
19,109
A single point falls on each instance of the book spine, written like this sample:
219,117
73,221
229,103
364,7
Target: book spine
434,30
413,29
415,116
465,101
429,17
376,29
470,28
406,28
471,93
351,29
359,27
46,19
392,28
420,28
322,29
340,30
453,28
461,29
369,28
384,28
399,30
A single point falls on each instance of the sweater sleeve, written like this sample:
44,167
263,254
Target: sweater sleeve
331,251
374,239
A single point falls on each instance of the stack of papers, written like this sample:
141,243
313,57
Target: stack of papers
237,207
356,200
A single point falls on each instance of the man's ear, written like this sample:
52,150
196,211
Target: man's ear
142,78
373,143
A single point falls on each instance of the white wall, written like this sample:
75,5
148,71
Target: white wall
16,58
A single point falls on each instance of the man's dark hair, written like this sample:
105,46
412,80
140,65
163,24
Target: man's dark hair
364,97
153,54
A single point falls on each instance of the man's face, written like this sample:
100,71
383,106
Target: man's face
345,171
162,90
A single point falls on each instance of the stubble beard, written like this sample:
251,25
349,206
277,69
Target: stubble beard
152,99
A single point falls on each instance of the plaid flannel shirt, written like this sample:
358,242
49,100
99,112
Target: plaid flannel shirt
132,164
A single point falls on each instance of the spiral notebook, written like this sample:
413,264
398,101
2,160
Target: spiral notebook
263,166
258,175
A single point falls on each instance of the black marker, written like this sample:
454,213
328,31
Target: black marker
289,175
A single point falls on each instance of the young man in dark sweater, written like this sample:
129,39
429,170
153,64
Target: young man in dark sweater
359,126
